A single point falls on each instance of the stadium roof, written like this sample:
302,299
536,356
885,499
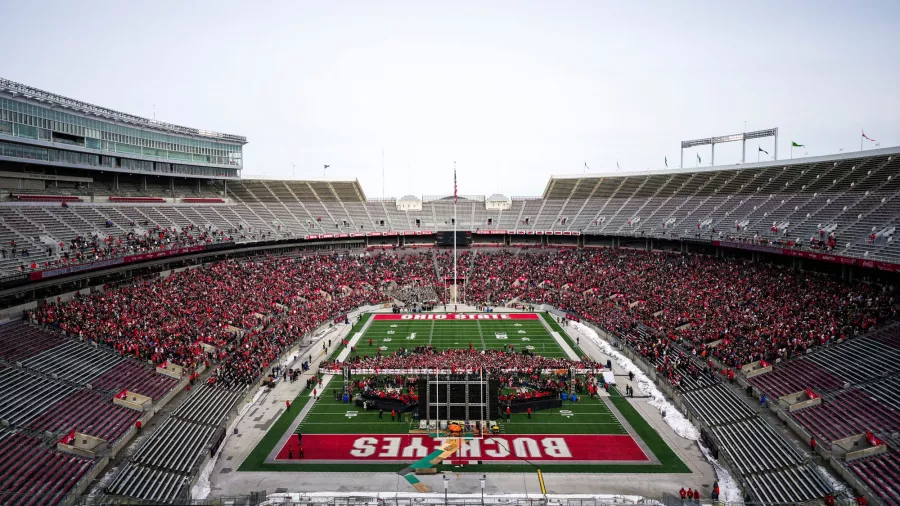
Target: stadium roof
347,190
586,184
51,99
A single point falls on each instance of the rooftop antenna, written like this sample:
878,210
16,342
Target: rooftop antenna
293,169
154,112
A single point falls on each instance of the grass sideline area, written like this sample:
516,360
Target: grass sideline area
587,416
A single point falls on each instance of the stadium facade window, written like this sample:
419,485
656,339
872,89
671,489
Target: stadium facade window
163,145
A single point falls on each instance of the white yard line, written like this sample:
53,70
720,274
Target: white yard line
565,346
481,334
346,351
319,389
559,340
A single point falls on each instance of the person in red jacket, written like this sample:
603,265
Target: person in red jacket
812,443
508,412
697,495
683,493
829,500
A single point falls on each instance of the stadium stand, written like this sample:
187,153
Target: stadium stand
844,205
89,413
882,474
160,468
31,473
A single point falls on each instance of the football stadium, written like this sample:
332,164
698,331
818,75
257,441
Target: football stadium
175,331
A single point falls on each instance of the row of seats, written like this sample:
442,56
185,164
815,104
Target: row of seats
150,484
792,485
850,412
160,469
860,391
858,360
795,376
31,473
89,413
136,377
207,405
19,341
882,474
176,445
24,396
716,405
856,199
72,361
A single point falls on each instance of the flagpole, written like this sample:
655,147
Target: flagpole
455,198
860,142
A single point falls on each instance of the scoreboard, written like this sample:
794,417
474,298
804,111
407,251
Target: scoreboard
462,238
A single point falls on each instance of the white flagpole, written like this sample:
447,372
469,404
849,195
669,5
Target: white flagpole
455,198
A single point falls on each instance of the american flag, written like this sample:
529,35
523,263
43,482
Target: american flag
455,194
866,136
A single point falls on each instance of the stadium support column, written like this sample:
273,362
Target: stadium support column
776,144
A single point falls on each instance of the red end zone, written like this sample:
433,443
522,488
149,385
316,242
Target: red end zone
459,316
412,447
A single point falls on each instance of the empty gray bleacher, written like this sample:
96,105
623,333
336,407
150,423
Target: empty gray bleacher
792,485
207,405
76,362
718,405
149,484
859,360
754,447
176,447
24,396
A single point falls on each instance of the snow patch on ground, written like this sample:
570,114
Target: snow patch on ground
729,490
202,488
839,488
670,414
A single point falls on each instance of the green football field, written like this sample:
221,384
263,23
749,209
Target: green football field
392,335
330,418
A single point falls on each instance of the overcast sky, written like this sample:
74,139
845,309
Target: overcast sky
511,91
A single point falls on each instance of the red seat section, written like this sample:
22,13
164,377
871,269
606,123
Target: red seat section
33,473
136,377
137,200
19,341
88,412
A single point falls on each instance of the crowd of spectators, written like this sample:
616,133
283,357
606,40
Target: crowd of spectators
249,312
730,310
733,310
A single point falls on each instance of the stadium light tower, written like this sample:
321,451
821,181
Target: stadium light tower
743,137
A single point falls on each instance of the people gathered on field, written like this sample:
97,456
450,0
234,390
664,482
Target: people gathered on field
460,360
730,310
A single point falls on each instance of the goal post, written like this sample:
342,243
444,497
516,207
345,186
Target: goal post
456,404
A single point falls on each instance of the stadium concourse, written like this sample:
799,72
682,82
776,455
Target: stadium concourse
695,320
